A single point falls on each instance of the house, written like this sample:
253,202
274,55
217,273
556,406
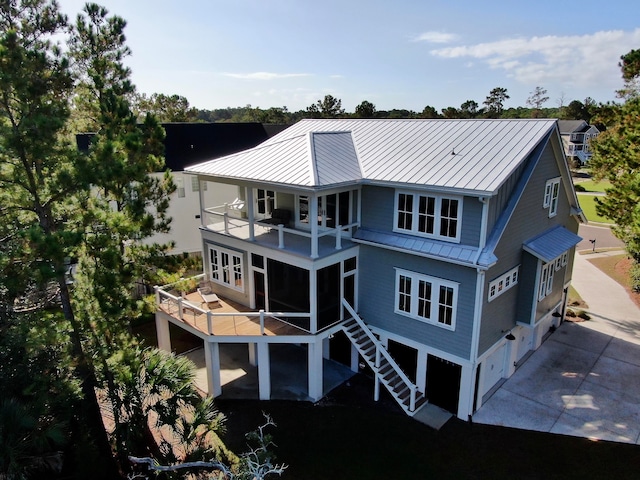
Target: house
576,135
437,253
186,144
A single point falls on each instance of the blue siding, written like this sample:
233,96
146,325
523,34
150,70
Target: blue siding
529,219
378,211
377,298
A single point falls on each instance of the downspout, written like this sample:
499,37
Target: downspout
477,313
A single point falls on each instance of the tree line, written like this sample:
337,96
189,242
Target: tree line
175,108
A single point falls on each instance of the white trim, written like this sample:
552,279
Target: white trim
552,196
503,283
431,302
226,267
437,214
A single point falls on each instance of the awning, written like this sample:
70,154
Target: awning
552,243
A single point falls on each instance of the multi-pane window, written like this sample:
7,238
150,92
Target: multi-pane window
428,215
551,195
503,283
265,201
195,184
426,298
545,287
226,268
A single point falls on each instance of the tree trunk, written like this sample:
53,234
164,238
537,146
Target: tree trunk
92,413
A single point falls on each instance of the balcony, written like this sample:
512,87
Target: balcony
227,318
226,220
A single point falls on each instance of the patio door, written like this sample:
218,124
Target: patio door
260,293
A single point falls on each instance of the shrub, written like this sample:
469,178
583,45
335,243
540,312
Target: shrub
579,188
570,313
634,273
583,315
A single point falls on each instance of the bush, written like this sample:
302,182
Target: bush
634,273
579,188
583,315
570,313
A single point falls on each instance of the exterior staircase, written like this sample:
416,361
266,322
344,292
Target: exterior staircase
386,370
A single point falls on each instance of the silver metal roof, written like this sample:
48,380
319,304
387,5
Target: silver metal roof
464,155
552,243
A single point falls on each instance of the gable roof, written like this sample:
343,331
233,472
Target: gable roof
474,156
571,126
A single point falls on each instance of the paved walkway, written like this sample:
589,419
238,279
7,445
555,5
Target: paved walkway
585,378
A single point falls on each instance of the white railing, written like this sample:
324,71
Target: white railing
188,312
381,351
230,222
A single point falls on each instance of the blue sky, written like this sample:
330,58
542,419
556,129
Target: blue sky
396,54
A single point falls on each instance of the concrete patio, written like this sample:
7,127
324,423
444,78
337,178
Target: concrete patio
585,378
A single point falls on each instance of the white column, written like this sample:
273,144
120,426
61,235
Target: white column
249,195
355,359
313,223
253,354
421,371
315,371
326,350
162,332
212,361
313,301
465,396
264,371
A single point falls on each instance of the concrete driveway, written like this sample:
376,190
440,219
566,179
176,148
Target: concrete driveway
584,380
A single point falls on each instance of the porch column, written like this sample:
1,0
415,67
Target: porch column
421,371
253,358
264,371
313,301
313,223
249,195
212,361
355,359
162,332
315,371
326,348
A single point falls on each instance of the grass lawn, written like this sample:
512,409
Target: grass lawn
588,205
348,436
592,186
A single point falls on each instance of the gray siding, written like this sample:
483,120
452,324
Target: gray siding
499,201
378,211
529,219
377,298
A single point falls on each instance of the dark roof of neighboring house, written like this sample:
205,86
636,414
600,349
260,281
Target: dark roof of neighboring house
571,126
190,143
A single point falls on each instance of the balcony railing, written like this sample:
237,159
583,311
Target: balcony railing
225,219
231,321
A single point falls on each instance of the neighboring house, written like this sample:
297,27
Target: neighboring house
189,143
439,252
576,136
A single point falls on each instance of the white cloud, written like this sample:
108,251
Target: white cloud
436,37
583,60
265,75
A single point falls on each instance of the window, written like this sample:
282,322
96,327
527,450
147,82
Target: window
551,194
180,187
265,201
545,287
503,283
226,268
195,184
429,299
427,215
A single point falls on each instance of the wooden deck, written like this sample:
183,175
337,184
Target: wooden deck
227,318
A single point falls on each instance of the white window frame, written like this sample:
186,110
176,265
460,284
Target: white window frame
552,196
547,272
503,283
226,267
414,305
195,184
266,202
180,187
413,209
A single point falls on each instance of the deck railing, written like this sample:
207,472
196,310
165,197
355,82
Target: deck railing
188,311
224,215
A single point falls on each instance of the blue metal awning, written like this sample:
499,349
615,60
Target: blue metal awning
552,243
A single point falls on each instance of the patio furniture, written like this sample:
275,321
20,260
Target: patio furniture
208,296
279,216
